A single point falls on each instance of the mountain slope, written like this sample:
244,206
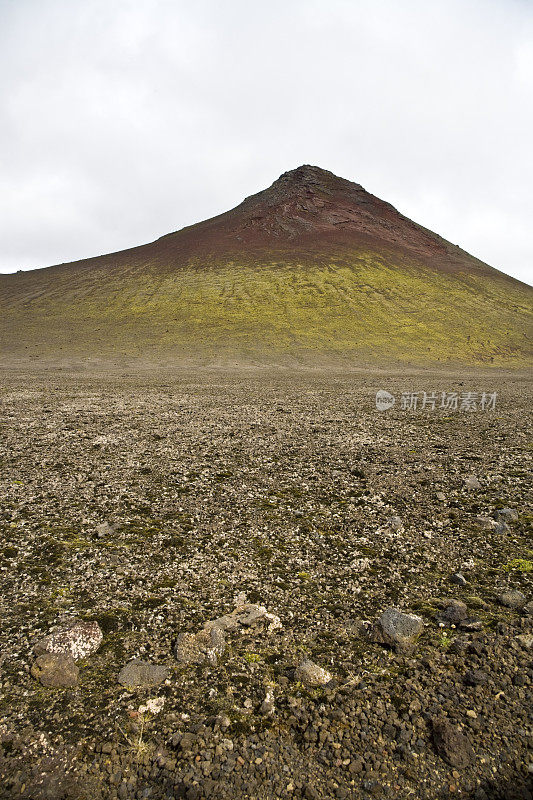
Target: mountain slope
312,269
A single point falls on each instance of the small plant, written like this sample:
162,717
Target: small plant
137,746
252,658
519,564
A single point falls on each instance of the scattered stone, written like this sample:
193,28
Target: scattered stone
203,505
459,579
77,638
472,482
507,514
395,524
441,497
267,706
197,648
310,674
501,527
451,745
513,599
209,643
397,629
55,670
104,529
247,615
141,673
471,625
487,523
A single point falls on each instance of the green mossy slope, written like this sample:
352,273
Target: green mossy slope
347,308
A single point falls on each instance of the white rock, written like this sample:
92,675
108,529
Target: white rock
526,639
310,674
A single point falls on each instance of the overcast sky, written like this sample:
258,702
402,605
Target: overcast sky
123,120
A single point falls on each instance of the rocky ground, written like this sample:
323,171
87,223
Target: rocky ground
257,585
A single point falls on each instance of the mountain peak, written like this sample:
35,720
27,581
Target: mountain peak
311,201
309,178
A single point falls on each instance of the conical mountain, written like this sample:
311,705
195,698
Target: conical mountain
313,269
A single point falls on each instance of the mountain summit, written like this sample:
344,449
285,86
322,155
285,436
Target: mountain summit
313,269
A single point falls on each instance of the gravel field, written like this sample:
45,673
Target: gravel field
237,541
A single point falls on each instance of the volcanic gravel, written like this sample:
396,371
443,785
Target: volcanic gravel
155,504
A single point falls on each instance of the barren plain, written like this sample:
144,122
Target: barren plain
285,514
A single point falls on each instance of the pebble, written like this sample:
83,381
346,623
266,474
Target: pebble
267,706
475,677
104,529
395,524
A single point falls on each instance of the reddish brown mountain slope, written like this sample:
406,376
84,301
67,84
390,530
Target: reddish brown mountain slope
307,211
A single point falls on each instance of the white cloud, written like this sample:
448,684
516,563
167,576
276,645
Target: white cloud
122,121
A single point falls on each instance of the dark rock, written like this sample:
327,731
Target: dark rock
513,599
55,670
451,745
458,646
459,579
455,612
475,677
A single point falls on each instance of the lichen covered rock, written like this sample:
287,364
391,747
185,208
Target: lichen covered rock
77,638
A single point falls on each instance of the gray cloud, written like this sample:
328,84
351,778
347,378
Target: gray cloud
122,121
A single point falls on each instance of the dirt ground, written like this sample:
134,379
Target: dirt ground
157,503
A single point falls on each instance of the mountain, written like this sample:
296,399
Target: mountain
313,270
